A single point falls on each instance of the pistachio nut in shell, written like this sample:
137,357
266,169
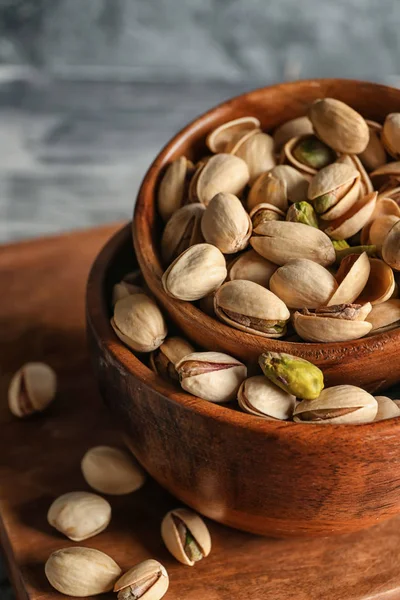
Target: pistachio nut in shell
173,187
352,160
387,409
198,271
281,241
79,515
249,307
292,374
391,134
113,471
339,126
308,154
302,212
387,174
81,572
213,376
32,388
124,289
268,189
139,323
222,173
384,207
226,224
380,228
259,396
339,404
354,219
163,360
391,247
218,140
264,212
385,316
296,182
182,230
291,129
302,283
334,190
380,285
352,277
253,267
258,153
186,536
374,155
331,324
147,580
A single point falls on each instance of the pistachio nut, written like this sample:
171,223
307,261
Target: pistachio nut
308,154
391,247
79,515
334,190
292,374
247,306
270,190
138,322
219,139
173,187
391,134
213,376
342,252
374,155
164,359
387,174
339,126
182,231
124,289
81,572
290,129
352,160
338,323
385,316
354,219
387,409
340,404
253,267
380,285
31,389
259,396
352,277
380,228
296,182
222,173
258,153
113,471
226,224
264,212
280,241
146,581
198,271
384,207
302,283
302,212
186,536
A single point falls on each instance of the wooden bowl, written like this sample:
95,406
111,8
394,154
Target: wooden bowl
270,478
367,362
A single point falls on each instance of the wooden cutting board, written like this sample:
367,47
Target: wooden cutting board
42,287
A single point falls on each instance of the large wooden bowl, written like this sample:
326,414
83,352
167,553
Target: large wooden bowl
370,362
271,478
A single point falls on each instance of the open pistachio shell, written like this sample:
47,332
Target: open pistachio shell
385,316
334,189
303,283
173,187
380,285
258,153
352,277
391,134
186,536
389,172
182,230
226,224
222,173
383,207
341,404
266,212
387,409
374,155
353,161
268,189
247,306
291,129
307,154
163,360
296,183
391,192
146,581
253,267
259,396
354,219
380,228
315,328
391,247
218,140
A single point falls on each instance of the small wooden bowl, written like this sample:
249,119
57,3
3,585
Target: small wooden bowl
368,362
271,478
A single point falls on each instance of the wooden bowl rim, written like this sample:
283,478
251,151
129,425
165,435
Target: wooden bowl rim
98,320
144,246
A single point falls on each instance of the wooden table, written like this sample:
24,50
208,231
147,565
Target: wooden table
42,318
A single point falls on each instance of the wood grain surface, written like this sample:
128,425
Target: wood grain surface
42,317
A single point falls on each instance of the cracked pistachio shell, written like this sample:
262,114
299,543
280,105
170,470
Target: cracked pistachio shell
268,189
259,396
171,194
213,376
308,154
266,212
79,515
258,153
352,160
81,572
302,283
339,126
113,471
391,134
32,389
281,241
391,247
198,271
352,277
222,173
218,140
380,285
182,528
354,219
292,374
290,129
182,231
387,409
340,404
147,580
253,267
334,190
249,307
302,212
319,328
380,228
385,316
226,224
374,155
164,359
388,173
138,322
384,207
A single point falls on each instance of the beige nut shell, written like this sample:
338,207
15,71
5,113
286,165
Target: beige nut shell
141,572
31,389
112,471
79,515
195,524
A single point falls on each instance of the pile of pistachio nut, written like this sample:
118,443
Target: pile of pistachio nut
82,571
294,233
